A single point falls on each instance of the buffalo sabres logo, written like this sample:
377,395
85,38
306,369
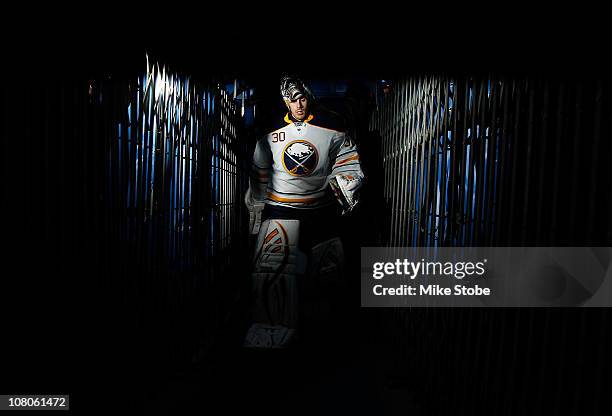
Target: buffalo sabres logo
300,158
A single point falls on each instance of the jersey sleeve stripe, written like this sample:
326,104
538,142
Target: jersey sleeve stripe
348,159
348,152
348,166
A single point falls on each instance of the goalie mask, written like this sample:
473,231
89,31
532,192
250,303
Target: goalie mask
293,88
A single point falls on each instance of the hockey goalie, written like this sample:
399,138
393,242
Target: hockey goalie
303,173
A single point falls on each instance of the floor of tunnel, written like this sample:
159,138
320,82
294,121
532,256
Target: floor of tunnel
327,372
340,363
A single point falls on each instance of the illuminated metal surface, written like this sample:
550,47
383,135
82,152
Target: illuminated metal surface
173,167
485,161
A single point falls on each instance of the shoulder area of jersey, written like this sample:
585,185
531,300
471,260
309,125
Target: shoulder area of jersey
320,118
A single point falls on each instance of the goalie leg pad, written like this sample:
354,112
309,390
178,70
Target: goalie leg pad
327,261
278,263
321,284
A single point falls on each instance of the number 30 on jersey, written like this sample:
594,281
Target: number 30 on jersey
278,137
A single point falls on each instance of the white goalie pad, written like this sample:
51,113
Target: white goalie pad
322,282
277,265
345,186
277,247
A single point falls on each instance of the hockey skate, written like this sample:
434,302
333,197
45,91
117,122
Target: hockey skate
268,336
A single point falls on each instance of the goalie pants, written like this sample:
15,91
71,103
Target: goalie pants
316,225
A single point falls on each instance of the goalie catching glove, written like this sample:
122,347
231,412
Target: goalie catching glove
346,187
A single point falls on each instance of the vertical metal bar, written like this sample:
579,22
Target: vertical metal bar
472,163
437,210
406,131
492,162
516,92
390,111
542,164
434,198
394,160
443,181
179,137
152,156
183,169
573,230
416,140
383,132
530,127
557,162
594,160
418,158
464,176
480,167
389,149
224,165
225,178
453,177
171,179
397,139
433,164
501,166
137,118
414,160
408,115
402,122
422,140
425,213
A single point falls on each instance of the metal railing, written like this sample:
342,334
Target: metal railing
492,160
497,161
174,156
173,168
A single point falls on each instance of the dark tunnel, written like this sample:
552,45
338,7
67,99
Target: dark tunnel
132,187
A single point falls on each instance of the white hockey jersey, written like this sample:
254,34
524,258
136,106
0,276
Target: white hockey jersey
292,165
